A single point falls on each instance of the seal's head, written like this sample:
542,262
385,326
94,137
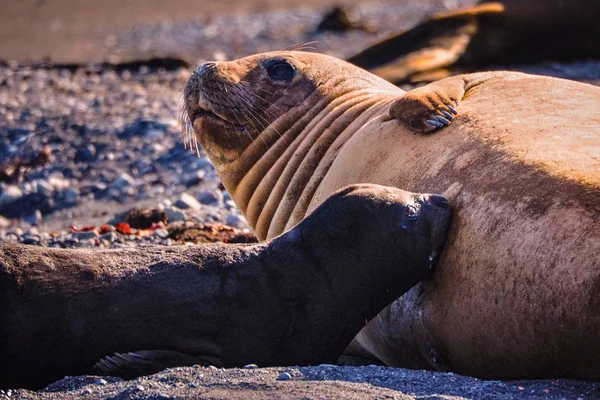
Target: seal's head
232,104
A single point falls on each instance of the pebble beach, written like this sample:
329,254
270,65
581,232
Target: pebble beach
92,156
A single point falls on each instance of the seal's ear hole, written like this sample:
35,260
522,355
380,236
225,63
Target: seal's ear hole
280,70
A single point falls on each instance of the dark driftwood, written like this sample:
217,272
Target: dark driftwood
298,299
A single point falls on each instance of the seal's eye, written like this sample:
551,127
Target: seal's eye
281,70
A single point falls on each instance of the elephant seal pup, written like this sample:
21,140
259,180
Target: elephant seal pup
517,290
506,32
296,300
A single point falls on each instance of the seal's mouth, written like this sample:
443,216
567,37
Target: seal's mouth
204,113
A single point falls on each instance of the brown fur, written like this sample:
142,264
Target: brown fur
280,303
516,291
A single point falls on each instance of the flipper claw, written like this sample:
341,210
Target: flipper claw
435,123
442,120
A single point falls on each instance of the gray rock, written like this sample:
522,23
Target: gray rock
186,201
175,214
35,218
86,235
85,153
109,237
236,220
31,239
284,376
161,233
10,194
211,197
124,180
71,196
44,188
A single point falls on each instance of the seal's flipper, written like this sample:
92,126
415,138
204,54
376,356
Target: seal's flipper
143,362
431,46
430,107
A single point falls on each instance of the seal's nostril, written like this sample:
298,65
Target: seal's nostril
439,200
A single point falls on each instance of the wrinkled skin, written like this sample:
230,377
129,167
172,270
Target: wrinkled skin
516,293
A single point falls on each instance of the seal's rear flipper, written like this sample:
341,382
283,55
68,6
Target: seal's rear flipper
428,49
144,362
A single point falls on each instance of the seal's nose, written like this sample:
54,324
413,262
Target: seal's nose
205,69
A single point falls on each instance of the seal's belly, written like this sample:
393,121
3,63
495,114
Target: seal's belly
516,290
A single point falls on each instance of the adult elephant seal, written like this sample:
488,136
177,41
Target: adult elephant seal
517,291
503,32
297,300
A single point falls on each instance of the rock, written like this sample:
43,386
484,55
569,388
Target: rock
174,214
211,197
142,218
86,235
152,129
85,153
4,222
250,366
236,220
160,233
186,201
44,188
10,194
110,237
339,20
35,218
71,196
124,180
31,239
284,376
197,178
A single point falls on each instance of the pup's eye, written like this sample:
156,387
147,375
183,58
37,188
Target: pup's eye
411,212
281,70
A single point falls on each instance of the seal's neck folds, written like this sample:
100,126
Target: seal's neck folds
276,176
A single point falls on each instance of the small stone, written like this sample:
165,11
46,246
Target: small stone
250,366
31,239
4,222
10,194
197,178
124,180
35,218
85,153
284,376
161,233
140,388
85,392
44,188
71,195
186,201
86,235
236,220
211,197
162,396
109,237
174,214
101,382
